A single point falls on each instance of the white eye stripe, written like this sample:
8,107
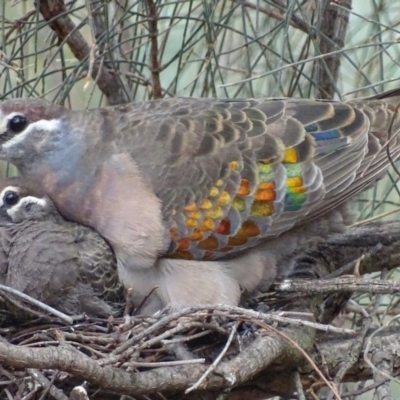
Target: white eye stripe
22,203
43,124
33,199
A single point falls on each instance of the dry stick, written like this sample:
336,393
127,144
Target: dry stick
153,34
353,354
129,306
363,390
18,304
344,283
309,359
143,302
299,386
56,14
275,317
354,265
114,379
128,347
46,384
368,360
97,28
212,367
18,23
385,363
280,16
38,303
333,25
154,340
185,338
138,364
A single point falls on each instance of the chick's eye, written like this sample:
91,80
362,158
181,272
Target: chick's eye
17,123
11,198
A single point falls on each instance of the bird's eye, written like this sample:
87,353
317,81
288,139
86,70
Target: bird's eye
17,123
11,198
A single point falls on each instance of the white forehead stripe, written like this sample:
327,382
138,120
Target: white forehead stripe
26,200
43,124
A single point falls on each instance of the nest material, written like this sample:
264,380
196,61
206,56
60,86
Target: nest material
196,338
249,352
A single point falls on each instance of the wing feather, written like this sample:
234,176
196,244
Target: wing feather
232,173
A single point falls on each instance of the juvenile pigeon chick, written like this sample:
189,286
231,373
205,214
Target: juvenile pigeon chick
63,264
202,198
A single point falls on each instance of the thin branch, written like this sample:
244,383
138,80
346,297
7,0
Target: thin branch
154,62
38,303
333,25
55,13
213,366
341,284
165,363
353,354
47,385
279,16
18,23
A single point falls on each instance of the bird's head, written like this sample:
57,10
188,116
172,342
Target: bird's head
21,200
28,129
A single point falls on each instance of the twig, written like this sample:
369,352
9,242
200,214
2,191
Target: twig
353,354
138,364
384,363
333,25
365,389
186,338
341,284
38,303
153,34
299,386
18,23
129,306
354,265
212,367
46,384
127,348
331,385
375,217
55,13
275,317
367,357
280,16
143,302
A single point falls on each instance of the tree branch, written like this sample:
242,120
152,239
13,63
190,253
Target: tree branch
154,62
55,13
332,31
